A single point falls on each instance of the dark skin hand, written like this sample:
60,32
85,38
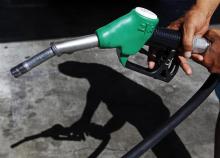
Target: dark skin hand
211,59
194,23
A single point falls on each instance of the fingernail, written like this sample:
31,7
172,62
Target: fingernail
189,72
201,58
187,54
151,65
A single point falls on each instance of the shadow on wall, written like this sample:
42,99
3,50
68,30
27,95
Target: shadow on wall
126,100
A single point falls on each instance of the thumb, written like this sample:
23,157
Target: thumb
188,34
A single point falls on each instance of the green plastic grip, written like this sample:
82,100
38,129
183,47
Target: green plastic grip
128,33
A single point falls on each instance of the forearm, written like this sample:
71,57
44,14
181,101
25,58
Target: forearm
207,6
91,105
89,112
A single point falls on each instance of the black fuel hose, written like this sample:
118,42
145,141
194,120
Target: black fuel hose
191,105
166,37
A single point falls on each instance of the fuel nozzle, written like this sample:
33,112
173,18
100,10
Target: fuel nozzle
34,61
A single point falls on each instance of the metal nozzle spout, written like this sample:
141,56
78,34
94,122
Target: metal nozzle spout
29,64
18,70
58,49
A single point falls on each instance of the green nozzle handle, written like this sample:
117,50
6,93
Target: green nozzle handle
128,33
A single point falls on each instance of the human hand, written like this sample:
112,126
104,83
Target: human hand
79,129
194,23
211,58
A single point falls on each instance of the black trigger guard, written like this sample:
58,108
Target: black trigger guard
164,70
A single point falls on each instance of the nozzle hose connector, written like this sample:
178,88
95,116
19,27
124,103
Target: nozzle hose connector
34,61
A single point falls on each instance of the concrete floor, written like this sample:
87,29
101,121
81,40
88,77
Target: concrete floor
45,97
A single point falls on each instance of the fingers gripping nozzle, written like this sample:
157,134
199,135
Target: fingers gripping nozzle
173,39
164,45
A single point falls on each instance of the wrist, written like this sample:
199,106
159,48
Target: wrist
207,7
199,9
